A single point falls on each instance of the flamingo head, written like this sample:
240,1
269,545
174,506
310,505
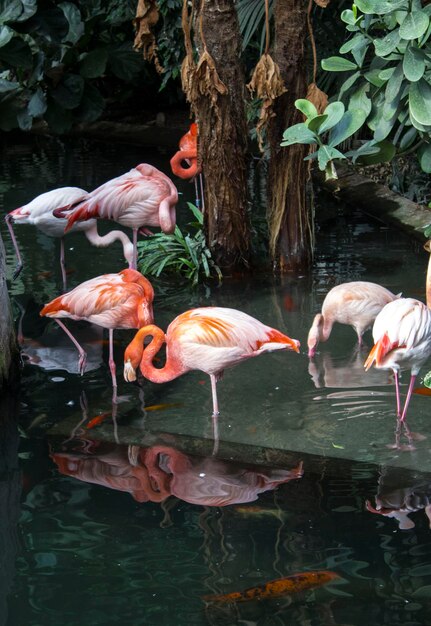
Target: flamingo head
129,371
128,249
18,215
314,335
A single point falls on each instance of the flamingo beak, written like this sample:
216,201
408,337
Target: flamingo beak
129,372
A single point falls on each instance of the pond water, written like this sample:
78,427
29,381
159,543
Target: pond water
128,514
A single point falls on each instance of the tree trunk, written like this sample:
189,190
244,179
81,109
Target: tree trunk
290,216
9,369
223,138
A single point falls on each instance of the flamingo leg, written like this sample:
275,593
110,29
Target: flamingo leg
135,249
63,264
397,392
197,199
409,395
201,182
112,365
82,353
19,264
213,378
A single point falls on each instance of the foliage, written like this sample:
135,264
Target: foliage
56,59
386,84
184,253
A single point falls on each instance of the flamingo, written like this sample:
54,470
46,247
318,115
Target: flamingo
142,197
209,339
122,300
356,303
40,213
188,152
402,339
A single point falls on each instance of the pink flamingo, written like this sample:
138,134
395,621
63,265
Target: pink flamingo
402,339
40,213
123,300
209,339
356,303
142,197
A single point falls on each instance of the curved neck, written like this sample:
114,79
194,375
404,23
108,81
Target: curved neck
322,327
139,355
103,241
185,172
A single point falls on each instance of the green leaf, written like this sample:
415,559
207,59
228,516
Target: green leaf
124,62
424,156
408,138
427,377
8,85
393,86
388,44
334,112
315,123
348,83
76,25
69,90
347,126
298,133
356,42
306,107
385,154
414,25
93,64
6,35
37,104
379,6
10,10
360,100
420,102
91,106
338,64
17,53
348,17
413,63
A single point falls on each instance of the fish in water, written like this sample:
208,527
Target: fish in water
259,511
289,585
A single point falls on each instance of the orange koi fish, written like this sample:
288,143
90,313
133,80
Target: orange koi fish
160,407
276,588
422,391
95,421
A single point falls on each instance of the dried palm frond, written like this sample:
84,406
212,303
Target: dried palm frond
147,15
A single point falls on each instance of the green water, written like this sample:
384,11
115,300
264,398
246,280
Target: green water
126,516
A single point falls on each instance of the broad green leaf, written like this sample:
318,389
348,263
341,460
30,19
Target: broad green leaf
385,74
306,107
373,77
394,83
420,102
423,128
37,104
68,92
6,35
29,9
415,25
125,62
408,138
93,64
334,112
387,44
25,121
348,17
358,40
414,63
366,148
7,85
10,10
385,154
316,122
323,157
379,6
427,377
360,100
76,25
347,126
92,105
424,156
298,133
348,83
17,53
338,64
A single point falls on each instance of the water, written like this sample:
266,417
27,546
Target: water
125,516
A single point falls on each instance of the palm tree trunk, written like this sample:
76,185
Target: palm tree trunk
223,137
290,216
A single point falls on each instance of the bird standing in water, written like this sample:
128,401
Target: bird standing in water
356,303
123,300
402,339
40,213
142,197
209,339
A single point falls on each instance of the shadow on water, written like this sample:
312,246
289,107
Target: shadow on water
116,514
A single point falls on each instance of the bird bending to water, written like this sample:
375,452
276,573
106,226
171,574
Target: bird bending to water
40,213
209,339
402,338
140,198
356,303
188,152
123,300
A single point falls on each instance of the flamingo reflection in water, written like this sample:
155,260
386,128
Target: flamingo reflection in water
153,474
401,493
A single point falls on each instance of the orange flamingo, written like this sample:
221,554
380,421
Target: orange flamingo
123,300
142,197
40,213
188,152
356,304
209,339
402,338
